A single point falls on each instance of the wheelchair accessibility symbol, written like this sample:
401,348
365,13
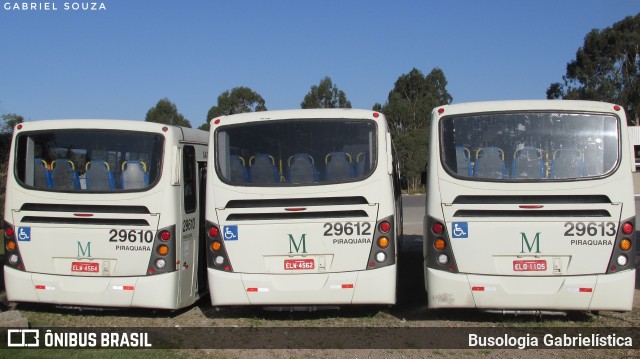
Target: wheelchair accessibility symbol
230,233
24,234
460,230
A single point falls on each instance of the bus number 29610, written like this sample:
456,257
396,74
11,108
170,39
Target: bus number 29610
131,235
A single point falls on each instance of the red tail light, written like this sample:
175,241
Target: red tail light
437,228
165,235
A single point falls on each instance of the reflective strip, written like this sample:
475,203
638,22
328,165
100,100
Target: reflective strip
483,289
123,287
580,290
254,290
44,287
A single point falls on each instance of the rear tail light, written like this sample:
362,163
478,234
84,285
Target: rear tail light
439,253
437,228
217,257
165,235
384,226
383,252
625,247
12,255
163,255
162,250
625,244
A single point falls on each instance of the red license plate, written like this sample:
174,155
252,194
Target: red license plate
299,264
536,265
85,267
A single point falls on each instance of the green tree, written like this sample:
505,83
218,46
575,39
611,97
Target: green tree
606,68
10,121
414,95
236,100
325,95
166,112
408,110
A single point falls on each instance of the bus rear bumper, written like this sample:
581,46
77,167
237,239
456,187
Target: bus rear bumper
590,292
158,291
362,287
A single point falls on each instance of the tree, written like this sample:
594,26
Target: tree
166,112
325,95
236,100
606,68
408,110
10,121
409,104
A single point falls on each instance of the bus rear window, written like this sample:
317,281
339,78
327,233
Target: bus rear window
527,146
294,152
88,161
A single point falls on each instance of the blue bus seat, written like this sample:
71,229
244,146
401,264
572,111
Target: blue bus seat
64,175
134,175
98,176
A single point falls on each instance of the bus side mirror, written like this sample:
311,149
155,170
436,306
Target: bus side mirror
423,178
404,184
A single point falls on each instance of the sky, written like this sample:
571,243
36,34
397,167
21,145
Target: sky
57,62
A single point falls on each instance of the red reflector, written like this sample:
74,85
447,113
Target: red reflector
384,227
252,289
477,289
295,209
345,286
165,235
627,228
437,228
586,290
83,214
227,268
372,264
40,287
531,206
127,287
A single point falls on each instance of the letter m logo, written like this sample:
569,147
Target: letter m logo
529,246
84,252
297,246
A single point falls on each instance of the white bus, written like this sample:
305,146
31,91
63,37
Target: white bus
530,207
105,213
303,209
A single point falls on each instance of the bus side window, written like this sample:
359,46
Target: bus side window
189,175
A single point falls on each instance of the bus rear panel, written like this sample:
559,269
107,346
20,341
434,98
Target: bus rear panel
304,210
530,206
92,218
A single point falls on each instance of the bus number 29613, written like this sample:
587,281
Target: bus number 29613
131,235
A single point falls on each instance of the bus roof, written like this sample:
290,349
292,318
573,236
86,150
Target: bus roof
188,134
297,114
529,105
